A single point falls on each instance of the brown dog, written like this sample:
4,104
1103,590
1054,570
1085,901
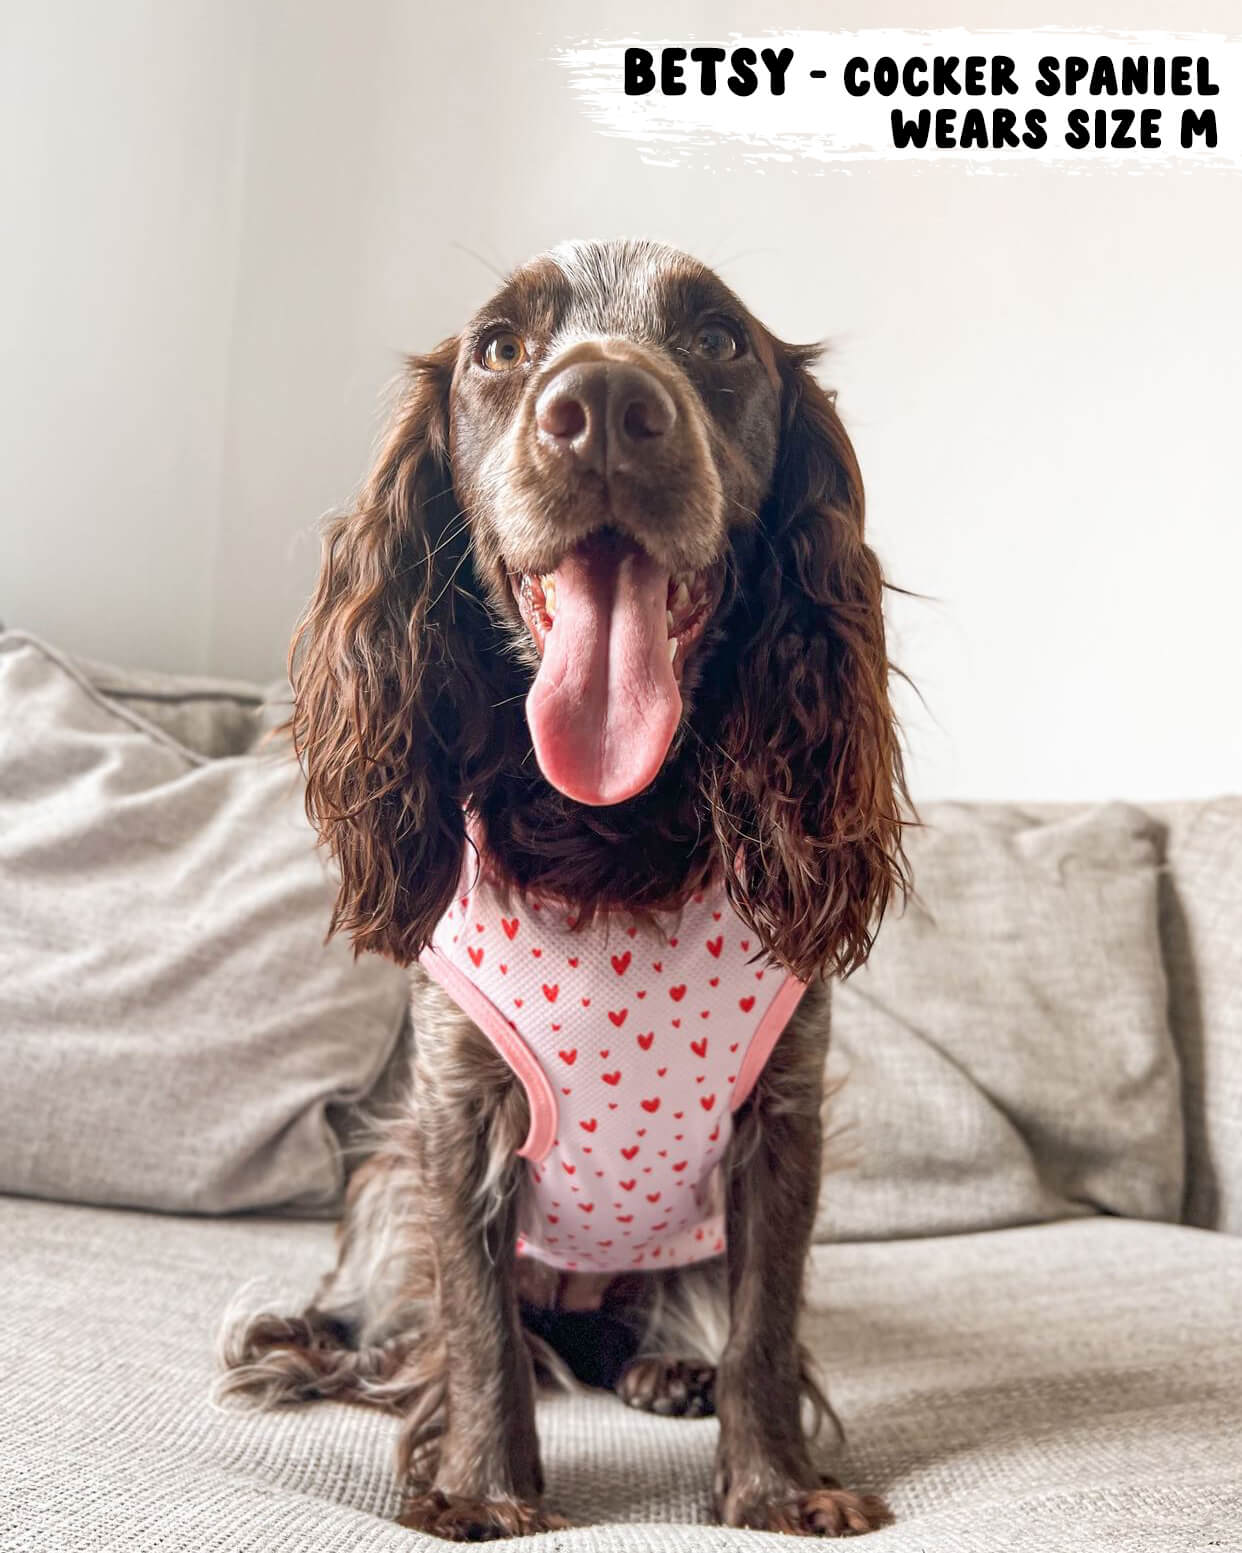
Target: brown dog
604,610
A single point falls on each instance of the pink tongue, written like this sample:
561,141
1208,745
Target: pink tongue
605,705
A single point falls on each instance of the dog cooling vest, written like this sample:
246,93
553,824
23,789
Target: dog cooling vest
635,1046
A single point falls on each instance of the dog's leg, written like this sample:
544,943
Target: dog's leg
765,1478
470,1117
682,1325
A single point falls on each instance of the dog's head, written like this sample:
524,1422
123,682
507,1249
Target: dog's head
615,501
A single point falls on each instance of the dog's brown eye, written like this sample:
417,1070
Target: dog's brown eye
504,351
717,342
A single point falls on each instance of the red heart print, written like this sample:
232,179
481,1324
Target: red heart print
478,927
571,1056
642,1131
510,925
587,1207
653,1196
715,916
603,1052
677,1115
642,994
627,1186
551,992
681,1164
612,1105
476,955
733,1046
568,1168
621,962
630,931
660,1072
746,1004
573,961
537,953
618,1016
586,1002
676,1024
652,1105
663,1153
603,1244
663,1224
704,1014
504,970
672,943
554,1218
517,1003
714,1133
715,945
657,965
706,1101
625,1218
612,1078
745,945
464,902
630,1152
758,975
589,1124
565,1091
677,993
645,1040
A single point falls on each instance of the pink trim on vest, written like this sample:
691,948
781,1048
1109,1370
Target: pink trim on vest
777,1015
508,1043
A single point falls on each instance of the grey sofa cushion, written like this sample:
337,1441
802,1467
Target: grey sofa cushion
172,1026
1201,922
1006,1049
1066,1388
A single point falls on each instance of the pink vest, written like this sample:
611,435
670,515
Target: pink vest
635,1046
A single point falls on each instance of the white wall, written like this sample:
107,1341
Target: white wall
232,220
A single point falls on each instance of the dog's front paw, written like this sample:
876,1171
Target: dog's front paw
458,1519
675,1388
826,1510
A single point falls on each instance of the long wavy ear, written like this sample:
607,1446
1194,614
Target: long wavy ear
392,715
809,792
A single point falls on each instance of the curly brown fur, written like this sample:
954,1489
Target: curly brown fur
783,779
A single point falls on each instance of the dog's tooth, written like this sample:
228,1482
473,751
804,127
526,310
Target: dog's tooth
672,648
668,620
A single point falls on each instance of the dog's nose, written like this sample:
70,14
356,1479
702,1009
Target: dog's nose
606,414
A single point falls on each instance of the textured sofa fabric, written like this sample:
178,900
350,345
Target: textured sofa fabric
172,1026
1062,1388
1201,926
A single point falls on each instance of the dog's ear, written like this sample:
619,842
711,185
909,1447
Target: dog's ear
392,713
809,793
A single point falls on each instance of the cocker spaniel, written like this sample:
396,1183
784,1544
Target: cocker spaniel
593,704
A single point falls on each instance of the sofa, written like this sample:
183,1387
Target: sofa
1025,1291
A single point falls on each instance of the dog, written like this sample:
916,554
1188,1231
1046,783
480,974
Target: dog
593,704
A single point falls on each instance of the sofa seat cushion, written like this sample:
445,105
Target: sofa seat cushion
1064,1388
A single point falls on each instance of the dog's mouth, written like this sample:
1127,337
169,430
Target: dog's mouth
613,629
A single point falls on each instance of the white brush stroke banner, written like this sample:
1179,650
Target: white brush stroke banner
816,119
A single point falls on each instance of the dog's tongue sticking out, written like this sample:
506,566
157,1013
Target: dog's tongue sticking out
605,705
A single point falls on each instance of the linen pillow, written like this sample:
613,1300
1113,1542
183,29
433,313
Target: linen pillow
1201,920
173,1028
1006,1050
